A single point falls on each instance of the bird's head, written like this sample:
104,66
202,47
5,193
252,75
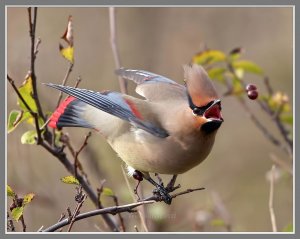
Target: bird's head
203,99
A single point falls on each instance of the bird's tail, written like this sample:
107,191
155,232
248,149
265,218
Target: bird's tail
69,114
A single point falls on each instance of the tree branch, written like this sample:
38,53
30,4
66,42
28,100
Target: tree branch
115,50
61,156
271,199
109,210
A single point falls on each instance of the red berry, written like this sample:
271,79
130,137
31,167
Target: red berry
252,94
251,87
137,175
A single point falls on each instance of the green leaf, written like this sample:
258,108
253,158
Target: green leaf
26,90
17,212
288,119
29,137
107,192
288,228
58,134
247,66
70,180
67,52
9,191
209,57
217,73
15,118
218,223
28,198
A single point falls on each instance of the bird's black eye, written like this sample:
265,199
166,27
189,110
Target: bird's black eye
197,111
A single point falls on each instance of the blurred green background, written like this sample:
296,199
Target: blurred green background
160,40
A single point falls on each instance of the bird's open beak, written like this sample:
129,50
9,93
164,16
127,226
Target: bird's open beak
214,111
214,116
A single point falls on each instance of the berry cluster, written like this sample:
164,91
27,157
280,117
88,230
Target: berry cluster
252,91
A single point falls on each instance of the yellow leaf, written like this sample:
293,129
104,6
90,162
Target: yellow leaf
107,192
28,198
9,191
208,57
67,52
70,180
26,90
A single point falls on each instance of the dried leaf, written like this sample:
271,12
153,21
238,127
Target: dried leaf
17,212
68,36
70,180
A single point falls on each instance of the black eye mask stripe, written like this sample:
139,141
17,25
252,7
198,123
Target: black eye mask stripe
196,109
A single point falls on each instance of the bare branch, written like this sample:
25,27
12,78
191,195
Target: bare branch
33,52
159,199
76,162
109,210
61,156
271,199
76,212
64,82
140,211
115,50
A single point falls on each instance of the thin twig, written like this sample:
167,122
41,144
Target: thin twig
61,156
76,212
140,211
271,199
10,224
64,82
77,81
109,210
282,164
32,28
122,223
159,199
115,50
76,162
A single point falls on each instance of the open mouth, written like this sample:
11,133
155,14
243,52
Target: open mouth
214,112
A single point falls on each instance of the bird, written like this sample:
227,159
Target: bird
170,129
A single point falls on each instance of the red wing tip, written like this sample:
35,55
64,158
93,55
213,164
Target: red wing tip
59,111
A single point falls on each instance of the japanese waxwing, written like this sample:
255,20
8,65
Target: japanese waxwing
171,130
